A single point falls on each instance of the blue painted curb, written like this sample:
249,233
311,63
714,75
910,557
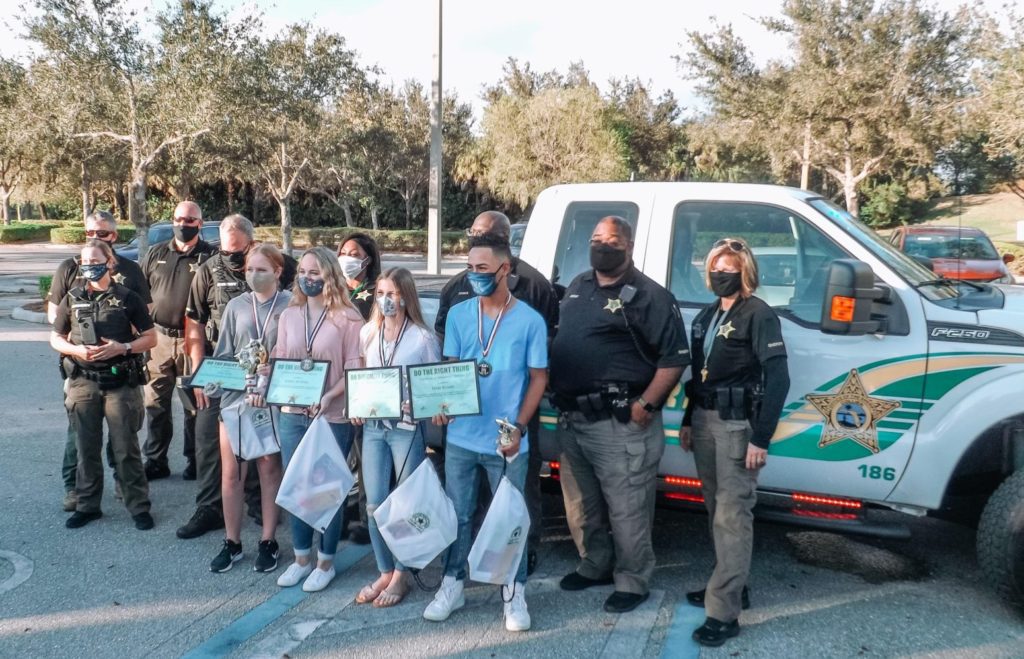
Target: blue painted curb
679,643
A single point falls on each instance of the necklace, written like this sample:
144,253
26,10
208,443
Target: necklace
261,330
484,368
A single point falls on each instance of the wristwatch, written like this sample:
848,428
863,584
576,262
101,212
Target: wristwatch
644,404
521,428
127,349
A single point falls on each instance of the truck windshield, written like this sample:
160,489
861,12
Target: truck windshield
910,270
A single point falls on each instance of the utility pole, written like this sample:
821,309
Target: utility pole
434,211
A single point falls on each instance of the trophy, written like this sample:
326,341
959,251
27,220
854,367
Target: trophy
505,430
250,358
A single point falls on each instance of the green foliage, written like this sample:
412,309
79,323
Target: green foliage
22,232
75,235
45,281
387,241
887,204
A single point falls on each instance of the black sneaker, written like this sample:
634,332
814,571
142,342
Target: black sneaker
266,556
190,471
79,519
229,554
203,519
576,581
156,471
143,521
715,632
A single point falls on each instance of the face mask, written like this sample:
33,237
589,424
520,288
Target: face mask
311,287
93,272
388,306
351,266
483,283
605,258
235,260
260,281
724,284
184,233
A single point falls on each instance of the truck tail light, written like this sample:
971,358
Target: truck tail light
842,308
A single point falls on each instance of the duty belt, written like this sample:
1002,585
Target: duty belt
106,378
706,401
171,332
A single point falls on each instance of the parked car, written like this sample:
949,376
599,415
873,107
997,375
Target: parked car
162,231
515,238
955,252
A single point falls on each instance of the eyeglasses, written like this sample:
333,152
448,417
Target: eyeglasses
188,220
734,245
99,233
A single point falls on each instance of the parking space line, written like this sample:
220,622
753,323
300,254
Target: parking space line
241,630
679,643
23,568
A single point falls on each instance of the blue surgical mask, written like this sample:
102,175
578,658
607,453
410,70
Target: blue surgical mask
311,287
388,306
93,272
483,283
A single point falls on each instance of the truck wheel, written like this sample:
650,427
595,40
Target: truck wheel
1001,539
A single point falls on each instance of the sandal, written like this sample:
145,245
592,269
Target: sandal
368,594
389,598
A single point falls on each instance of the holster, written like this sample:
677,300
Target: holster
68,368
732,403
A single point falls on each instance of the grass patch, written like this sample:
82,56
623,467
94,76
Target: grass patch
45,282
996,214
25,232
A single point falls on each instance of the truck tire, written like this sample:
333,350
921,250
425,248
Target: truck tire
1001,539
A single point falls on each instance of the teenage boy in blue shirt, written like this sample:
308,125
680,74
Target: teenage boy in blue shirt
509,341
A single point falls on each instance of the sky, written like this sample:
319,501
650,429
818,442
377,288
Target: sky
635,38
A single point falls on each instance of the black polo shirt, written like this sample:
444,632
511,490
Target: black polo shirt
169,274
362,299
530,286
118,313
593,344
214,285
126,272
748,335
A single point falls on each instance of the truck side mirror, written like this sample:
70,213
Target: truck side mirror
849,295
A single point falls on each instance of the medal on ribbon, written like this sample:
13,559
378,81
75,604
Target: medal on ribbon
484,369
307,363
255,353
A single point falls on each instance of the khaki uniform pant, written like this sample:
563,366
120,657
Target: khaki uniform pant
166,363
609,480
729,488
122,408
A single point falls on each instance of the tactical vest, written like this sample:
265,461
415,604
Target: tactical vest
226,287
110,320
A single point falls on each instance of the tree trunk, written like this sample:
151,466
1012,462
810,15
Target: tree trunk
805,163
5,208
347,208
408,212
850,187
286,226
42,211
120,202
231,196
373,219
86,198
17,207
137,211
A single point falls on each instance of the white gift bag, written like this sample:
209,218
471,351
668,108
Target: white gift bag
250,430
417,520
499,544
317,479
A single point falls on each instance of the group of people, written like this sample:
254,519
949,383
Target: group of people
609,372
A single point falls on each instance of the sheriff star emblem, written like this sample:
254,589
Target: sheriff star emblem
851,414
193,267
613,305
119,278
362,295
726,330
114,302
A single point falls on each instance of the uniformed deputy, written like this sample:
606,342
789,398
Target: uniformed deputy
99,225
169,268
739,386
218,281
99,327
612,368
536,291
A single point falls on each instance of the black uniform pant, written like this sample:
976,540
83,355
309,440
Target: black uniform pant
208,465
88,406
166,363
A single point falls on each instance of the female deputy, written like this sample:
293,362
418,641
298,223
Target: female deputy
98,328
359,259
740,381
395,336
250,317
321,325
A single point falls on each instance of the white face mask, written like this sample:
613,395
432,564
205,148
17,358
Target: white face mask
351,266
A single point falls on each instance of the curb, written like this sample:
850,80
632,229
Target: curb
23,314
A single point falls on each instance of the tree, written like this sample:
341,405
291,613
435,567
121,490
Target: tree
651,130
999,106
13,137
869,84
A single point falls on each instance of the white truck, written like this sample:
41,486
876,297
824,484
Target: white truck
907,389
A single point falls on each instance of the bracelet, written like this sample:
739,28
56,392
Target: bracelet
521,428
644,404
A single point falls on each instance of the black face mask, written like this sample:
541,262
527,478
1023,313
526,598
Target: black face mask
605,258
235,260
184,233
724,284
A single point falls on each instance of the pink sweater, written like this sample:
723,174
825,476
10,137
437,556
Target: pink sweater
336,342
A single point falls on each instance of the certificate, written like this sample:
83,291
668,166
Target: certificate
219,374
374,393
449,388
289,384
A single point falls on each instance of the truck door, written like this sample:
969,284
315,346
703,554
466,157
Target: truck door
848,425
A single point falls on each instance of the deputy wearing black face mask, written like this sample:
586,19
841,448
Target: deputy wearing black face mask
169,268
619,351
739,386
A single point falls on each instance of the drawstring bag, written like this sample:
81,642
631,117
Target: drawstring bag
317,479
250,430
498,548
417,520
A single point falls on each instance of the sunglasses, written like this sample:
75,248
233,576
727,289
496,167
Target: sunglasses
188,220
99,233
734,245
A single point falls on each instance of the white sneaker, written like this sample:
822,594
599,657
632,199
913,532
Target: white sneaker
318,580
294,574
517,617
448,598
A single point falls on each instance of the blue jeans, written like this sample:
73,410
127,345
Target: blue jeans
290,429
384,452
461,485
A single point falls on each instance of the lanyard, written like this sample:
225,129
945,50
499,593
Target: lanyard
486,348
394,350
316,328
261,331
709,340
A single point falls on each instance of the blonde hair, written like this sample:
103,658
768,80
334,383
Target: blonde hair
335,291
406,286
743,258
